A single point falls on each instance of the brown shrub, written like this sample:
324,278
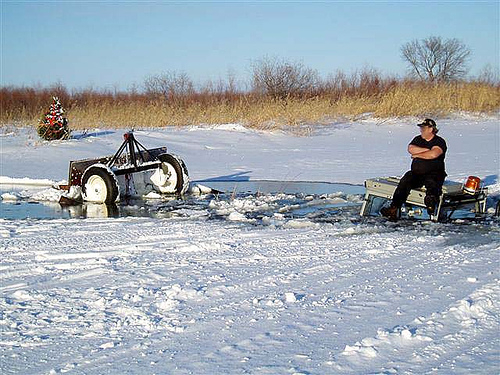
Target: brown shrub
340,95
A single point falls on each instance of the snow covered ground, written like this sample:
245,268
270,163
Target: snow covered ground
264,283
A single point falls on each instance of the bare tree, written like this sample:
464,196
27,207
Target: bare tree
228,86
280,78
489,75
171,85
434,59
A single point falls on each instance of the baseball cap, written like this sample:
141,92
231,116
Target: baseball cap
428,122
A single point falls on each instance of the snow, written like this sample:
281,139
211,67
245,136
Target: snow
245,284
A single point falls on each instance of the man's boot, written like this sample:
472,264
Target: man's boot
391,212
430,204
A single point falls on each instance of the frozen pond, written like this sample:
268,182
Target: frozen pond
305,197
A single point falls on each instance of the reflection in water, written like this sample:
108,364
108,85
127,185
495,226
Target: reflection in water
93,210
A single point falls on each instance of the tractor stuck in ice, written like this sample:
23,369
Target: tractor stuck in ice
132,171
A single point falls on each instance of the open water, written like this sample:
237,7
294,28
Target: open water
282,193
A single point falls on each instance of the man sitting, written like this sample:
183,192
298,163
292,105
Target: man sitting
427,169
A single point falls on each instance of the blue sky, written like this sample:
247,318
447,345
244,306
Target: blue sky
104,44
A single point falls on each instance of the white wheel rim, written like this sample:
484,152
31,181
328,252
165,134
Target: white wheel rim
169,171
95,189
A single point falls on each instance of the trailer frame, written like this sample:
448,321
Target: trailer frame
452,198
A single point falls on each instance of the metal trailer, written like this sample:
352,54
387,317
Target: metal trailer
132,170
453,198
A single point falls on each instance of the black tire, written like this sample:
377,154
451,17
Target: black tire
179,168
106,190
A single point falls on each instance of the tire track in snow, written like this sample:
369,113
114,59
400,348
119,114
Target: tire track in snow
431,343
309,292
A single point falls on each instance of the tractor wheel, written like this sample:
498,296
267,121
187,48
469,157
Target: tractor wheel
176,174
99,186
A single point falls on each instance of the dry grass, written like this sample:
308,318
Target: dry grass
441,99
87,110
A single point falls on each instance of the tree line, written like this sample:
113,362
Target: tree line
429,61
432,60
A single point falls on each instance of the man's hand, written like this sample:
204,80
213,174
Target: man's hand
413,150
